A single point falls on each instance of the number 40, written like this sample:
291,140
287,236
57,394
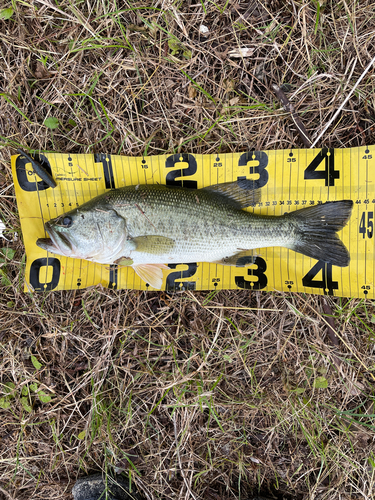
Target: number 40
369,228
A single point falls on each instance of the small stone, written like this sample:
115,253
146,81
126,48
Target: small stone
94,487
204,30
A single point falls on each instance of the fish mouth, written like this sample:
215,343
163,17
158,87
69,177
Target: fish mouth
56,243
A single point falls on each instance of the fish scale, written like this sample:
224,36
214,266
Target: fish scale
204,225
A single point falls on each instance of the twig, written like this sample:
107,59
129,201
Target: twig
331,329
344,102
7,494
288,106
179,458
81,21
342,340
142,212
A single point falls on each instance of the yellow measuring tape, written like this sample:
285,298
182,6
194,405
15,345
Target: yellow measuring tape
288,180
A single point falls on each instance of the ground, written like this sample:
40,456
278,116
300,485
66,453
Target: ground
194,395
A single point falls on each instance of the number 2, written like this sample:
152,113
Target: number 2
175,161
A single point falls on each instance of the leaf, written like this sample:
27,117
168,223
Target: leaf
6,254
234,100
192,91
299,390
9,253
51,122
36,363
4,403
72,123
25,404
44,397
320,383
8,387
4,280
41,72
176,46
25,390
6,13
81,435
33,387
187,53
229,85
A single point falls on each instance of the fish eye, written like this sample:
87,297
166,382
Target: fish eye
67,221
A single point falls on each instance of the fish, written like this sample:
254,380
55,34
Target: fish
148,227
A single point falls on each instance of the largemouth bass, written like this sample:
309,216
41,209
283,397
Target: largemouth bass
148,227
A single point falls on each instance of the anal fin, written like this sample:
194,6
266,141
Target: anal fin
151,273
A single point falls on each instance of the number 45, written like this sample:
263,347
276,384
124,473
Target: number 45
369,228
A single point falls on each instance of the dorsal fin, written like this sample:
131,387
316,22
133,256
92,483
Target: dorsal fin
237,192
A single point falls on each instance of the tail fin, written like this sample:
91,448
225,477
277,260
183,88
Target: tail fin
317,227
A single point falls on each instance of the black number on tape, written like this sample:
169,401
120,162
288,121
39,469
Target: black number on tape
329,174
326,282
369,227
262,158
21,172
173,161
35,274
171,284
258,272
106,162
113,270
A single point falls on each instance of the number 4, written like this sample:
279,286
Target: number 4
329,174
326,283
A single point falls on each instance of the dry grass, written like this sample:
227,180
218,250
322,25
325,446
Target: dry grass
196,395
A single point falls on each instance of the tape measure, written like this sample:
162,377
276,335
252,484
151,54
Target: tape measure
288,180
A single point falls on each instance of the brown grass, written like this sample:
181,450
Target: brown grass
196,395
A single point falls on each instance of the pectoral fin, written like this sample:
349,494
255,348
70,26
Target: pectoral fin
124,261
151,273
156,245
